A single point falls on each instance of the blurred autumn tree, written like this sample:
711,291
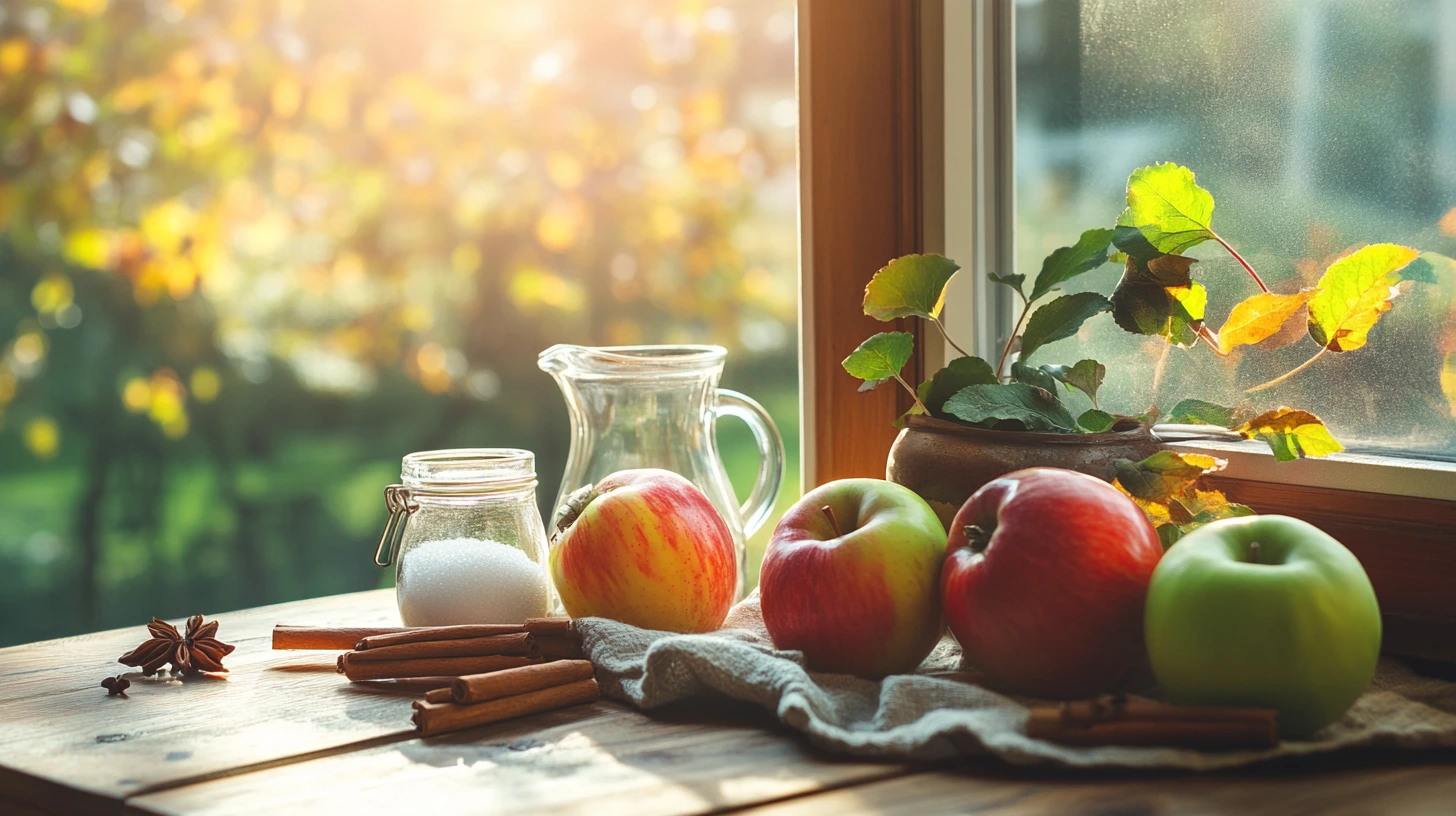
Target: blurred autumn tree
253,252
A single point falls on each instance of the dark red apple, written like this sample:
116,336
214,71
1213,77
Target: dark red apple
1044,582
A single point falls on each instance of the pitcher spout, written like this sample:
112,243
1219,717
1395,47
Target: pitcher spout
557,359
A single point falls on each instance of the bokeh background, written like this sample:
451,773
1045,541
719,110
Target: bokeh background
252,252
1318,125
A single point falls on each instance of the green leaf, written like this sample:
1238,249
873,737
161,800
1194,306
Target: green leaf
1428,267
961,372
1086,376
1168,535
1159,297
900,421
1258,318
1164,475
1029,406
1354,292
1198,412
1131,243
912,285
1066,263
870,385
1291,434
1166,205
881,357
1060,319
1021,372
1014,281
1096,421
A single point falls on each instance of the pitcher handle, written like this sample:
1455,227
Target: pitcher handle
765,492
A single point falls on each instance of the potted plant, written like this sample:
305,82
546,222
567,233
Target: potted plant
972,421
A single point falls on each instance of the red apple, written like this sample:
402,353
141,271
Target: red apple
1045,577
645,547
851,579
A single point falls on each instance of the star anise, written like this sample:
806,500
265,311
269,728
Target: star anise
198,651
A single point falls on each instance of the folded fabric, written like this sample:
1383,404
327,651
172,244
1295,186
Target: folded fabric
938,713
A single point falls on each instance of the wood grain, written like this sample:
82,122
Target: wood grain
589,760
285,733
860,201
1428,788
65,744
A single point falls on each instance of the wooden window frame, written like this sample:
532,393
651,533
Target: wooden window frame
874,164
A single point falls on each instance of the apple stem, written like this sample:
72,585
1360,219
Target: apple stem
978,538
833,522
1253,552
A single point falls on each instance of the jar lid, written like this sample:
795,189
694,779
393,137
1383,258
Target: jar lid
469,470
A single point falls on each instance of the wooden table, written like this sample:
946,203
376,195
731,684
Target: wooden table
285,733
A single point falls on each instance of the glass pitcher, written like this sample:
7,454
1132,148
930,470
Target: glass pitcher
658,406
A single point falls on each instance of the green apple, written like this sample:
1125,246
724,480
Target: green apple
1265,611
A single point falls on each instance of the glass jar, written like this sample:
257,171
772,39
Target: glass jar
466,536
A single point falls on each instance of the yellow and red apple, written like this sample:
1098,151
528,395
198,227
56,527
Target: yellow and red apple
645,547
1045,577
851,579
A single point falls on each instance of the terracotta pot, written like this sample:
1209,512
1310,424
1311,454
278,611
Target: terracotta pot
946,462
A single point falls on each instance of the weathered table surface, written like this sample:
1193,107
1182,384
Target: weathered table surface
285,733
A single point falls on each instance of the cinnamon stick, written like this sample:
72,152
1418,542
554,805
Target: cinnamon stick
427,633
479,688
557,648
354,669
1114,721
412,685
438,718
541,626
443,695
333,638
521,644
1141,708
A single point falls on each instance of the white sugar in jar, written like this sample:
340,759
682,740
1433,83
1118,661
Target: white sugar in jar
466,536
469,580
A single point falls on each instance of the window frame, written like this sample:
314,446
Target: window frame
1397,515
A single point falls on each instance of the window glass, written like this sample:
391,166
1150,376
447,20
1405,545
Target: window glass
251,253
1318,127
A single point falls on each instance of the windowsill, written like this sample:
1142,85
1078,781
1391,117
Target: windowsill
1387,475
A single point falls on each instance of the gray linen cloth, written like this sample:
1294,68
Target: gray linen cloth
939,711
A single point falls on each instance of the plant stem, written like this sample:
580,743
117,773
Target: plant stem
1158,370
1253,549
1006,352
1242,262
1286,375
913,395
1206,335
953,345
833,522
977,538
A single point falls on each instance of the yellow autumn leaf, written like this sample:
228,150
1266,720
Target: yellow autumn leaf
1164,475
1448,381
1260,317
1354,292
1291,434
